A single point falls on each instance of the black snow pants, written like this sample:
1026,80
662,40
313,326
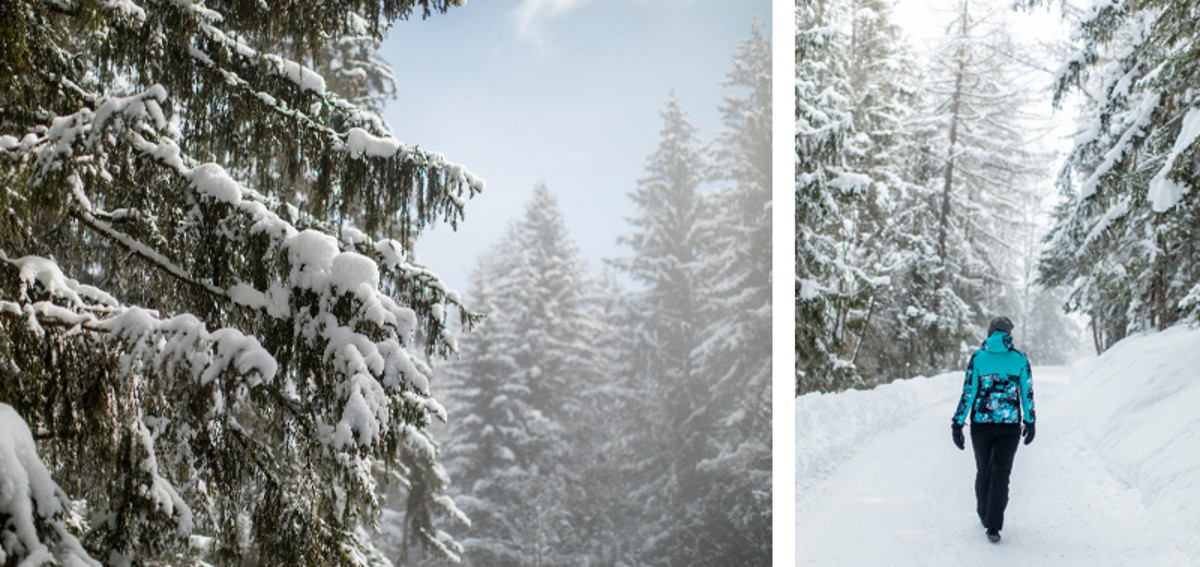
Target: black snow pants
995,445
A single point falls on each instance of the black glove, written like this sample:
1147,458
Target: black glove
957,434
1027,432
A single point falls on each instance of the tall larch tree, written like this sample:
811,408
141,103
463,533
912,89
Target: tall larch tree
209,322
985,174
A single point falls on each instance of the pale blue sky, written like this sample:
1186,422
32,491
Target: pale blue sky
566,92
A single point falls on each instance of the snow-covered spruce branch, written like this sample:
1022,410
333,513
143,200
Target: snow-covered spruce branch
32,502
86,128
211,182
1100,226
1134,130
144,252
180,343
50,146
164,343
155,487
358,140
1072,72
318,266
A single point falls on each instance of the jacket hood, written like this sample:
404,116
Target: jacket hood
998,342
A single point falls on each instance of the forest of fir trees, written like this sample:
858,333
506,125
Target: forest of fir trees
593,425
917,197
916,203
217,349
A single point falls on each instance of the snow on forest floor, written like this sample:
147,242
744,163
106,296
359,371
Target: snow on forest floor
1112,478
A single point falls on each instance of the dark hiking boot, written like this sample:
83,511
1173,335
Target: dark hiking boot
993,535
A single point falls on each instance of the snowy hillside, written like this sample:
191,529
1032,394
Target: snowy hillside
1113,475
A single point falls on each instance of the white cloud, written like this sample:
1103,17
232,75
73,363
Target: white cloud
532,16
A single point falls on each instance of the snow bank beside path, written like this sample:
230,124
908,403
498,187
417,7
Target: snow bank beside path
831,427
1136,404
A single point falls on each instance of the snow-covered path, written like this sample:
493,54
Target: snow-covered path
906,498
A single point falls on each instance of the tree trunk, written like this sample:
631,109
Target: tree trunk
1160,287
866,327
948,171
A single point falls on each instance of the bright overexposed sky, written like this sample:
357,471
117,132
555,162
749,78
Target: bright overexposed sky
565,92
926,20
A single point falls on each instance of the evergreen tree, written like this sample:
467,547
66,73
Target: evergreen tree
824,184
665,326
1125,235
853,103
517,445
207,314
666,247
735,355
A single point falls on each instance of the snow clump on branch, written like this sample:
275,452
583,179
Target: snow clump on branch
28,496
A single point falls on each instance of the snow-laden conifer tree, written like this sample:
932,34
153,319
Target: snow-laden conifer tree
666,245
661,370
209,319
823,127
855,84
734,357
521,398
1125,238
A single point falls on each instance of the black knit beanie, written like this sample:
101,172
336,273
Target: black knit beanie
1000,324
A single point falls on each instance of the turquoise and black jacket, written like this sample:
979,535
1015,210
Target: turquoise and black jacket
999,384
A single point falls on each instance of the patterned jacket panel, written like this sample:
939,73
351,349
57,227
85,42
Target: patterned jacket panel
998,386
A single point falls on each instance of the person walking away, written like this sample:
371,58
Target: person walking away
998,398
